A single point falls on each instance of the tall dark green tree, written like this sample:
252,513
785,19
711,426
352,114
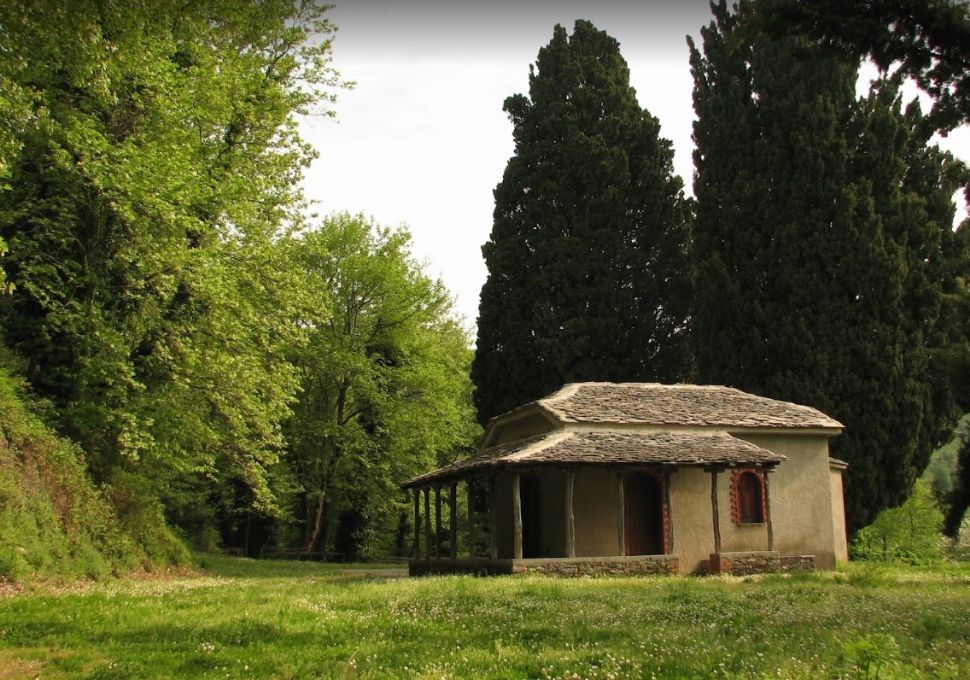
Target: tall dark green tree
823,225
588,276
927,40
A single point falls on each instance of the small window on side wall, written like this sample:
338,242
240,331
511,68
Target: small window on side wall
749,498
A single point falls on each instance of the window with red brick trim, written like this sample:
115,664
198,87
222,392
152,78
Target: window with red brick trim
748,497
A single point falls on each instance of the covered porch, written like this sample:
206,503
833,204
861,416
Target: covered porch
575,503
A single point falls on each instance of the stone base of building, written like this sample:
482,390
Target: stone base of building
758,562
559,566
791,563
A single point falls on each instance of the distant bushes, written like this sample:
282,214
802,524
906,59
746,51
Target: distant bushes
54,523
910,532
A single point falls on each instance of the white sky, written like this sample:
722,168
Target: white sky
422,140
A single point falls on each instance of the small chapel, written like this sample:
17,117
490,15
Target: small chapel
639,478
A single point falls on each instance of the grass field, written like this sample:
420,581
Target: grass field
241,618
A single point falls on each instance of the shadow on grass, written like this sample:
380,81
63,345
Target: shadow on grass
245,567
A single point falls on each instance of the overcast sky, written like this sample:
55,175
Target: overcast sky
422,140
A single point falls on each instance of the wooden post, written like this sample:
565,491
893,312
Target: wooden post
717,519
437,522
417,523
516,517
427,523
771,537
493,511
470,488
670,515
453,519
620,514
570,519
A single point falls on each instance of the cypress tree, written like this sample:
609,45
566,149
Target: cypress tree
588,276
822,222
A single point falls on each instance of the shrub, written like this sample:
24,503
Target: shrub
910,532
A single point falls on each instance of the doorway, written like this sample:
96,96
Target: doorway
643,514
531,500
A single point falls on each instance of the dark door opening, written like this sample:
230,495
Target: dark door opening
643,515
531,500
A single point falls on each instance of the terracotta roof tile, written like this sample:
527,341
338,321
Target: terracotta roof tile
609,448
697,405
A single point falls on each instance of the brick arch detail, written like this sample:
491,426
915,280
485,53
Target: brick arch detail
735,493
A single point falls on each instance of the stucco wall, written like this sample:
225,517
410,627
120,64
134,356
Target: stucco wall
519,428
800,492
737,537
691,517
595,507
838,517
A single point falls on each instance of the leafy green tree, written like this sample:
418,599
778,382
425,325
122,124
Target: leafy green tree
384,377
911,531
822,240
959,499
588,274
159,159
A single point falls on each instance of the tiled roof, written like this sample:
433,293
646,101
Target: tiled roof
608,448
695,405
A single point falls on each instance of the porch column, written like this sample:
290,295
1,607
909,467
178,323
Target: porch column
427,523
516,517
453,519
470,488
771,537
570,519
437,522
717,519
493,511
620,515
417,523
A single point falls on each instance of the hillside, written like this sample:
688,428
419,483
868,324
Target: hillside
54,523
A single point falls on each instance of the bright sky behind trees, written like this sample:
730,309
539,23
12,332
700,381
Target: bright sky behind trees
422,139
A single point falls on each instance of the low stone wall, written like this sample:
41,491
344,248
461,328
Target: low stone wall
797,563
740,563
558,566
588,566
759,562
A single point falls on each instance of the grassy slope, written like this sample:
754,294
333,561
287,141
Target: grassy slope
295,620
54,524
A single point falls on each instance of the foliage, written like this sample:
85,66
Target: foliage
588,277
54,523
385,392
159,158
959,499
928,40
942,468
910,531
961,545
823,248
272,619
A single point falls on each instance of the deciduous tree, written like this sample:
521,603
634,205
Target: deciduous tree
157,160
384,376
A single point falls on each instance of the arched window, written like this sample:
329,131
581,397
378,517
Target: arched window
750,496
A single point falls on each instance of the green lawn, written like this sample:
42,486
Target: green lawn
242,618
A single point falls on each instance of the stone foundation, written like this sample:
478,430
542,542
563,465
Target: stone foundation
759,562
791,563
559,566
740,563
